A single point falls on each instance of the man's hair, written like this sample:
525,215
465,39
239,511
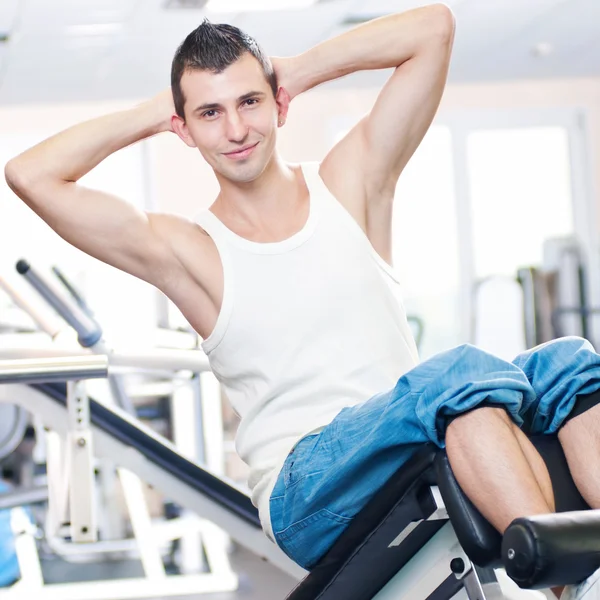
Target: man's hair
214,47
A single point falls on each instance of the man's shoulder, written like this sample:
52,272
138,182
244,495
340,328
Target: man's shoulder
345,182
183,234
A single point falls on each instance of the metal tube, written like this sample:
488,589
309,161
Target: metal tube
23,497
116,382
43,370
45,319
89,332
159,359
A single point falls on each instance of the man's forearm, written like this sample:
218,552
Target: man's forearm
70,154
382,43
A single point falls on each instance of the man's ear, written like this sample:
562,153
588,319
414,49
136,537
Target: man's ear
283,103
181,129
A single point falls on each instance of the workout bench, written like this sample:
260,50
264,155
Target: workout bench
421,538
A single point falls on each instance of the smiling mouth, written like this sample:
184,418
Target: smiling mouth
242,152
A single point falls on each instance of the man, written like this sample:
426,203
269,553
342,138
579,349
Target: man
287,279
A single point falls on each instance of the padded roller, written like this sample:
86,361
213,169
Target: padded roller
553,549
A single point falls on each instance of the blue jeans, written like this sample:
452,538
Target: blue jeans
329,477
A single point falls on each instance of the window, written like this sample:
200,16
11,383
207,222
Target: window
520,186
426,241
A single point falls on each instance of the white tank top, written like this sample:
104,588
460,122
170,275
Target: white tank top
308,326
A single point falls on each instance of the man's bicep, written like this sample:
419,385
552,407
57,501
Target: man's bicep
105,227
403,113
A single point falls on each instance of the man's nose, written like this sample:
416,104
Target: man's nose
236,128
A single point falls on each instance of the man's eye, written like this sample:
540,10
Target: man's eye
251,101
209,113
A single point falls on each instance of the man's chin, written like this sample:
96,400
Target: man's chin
242,172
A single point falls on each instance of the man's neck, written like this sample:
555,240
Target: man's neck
262,205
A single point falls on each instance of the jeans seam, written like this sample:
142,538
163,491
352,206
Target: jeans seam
312,518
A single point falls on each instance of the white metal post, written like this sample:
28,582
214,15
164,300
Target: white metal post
82,489
186,417
142,525
58,483
214,454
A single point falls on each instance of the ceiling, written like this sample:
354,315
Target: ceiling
86,50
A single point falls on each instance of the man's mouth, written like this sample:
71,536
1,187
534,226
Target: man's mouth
242,152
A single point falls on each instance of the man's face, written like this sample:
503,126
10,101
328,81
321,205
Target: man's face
231,117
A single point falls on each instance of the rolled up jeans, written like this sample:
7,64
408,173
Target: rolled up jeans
330,476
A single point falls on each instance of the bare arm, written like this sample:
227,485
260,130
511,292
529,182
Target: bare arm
102,225
363,168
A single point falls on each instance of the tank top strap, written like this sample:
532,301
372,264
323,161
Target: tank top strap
315,184
213,226
321,196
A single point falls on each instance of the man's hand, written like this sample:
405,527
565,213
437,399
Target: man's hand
163,107
287,76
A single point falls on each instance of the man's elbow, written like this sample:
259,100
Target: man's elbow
14,176
23,179
443,23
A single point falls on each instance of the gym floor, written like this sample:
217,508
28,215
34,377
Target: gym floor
258,579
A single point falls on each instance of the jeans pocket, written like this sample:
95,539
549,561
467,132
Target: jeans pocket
307,540
303,460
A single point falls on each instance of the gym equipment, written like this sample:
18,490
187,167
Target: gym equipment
121,439
555,295
13,424
148,536
46,320
420,537
89,331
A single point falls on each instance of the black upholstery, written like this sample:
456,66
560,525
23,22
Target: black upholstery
566,494
550,550
481,542
361,562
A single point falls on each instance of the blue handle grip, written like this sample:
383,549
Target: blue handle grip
88,330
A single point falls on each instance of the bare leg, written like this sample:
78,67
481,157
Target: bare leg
538,466
580,439
497,467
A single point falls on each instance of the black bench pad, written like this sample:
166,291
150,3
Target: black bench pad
361,562
480,541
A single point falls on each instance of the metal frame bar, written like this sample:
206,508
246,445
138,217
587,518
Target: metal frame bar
43,370
36,345
52,415
427,570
